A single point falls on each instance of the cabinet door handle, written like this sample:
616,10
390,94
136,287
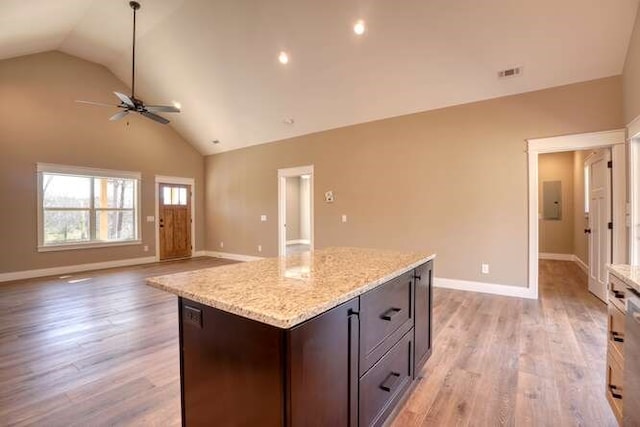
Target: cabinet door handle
417,277
389,314
613,389
389,383
617,336
618,294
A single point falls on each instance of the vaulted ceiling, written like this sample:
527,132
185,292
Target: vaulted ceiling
218,58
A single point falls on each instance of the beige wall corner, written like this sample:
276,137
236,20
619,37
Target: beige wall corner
40,122
631,75
452,180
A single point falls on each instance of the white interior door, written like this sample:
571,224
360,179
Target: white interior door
599,218
305,233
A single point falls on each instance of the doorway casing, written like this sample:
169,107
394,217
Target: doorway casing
614,139
160,179
283,174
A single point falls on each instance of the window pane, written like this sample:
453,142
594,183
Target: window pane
115,225
166,195
183,196
63,191
66,226
174,195
114,193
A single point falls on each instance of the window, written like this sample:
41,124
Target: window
634,188
83,207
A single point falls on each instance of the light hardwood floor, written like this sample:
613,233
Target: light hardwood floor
105,352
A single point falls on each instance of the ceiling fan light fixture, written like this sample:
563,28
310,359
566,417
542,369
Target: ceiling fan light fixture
131,103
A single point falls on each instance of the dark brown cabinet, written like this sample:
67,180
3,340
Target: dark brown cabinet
424,311
349,366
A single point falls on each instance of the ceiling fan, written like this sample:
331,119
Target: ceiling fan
130,104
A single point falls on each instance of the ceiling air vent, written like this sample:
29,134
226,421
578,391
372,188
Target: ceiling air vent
510,73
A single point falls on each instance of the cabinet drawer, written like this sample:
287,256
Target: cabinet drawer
614,384
385,383
386,314
617,293
615,331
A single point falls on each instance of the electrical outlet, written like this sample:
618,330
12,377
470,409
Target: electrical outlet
259,248
145,248
263,218
344,218
221,244
485,268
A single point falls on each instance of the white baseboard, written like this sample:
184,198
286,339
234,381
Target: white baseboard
299,242
556,257
235,257
584,267
199,253
54,271
565,257
486,288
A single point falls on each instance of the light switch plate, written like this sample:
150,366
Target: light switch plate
263,218
151,218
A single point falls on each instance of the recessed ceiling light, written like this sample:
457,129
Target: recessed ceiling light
359,27
288,121
283,57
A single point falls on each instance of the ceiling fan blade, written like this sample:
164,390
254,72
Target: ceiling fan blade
118,116
155,117
125,99
100,104
162,108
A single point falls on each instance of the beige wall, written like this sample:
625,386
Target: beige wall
580,240
40,122
631,75
453,181
293,208
556,236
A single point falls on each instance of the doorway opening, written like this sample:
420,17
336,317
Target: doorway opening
610,143
295,210
174,214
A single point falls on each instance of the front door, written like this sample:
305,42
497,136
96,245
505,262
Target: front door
174,221
599,186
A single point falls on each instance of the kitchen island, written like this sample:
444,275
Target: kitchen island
330,337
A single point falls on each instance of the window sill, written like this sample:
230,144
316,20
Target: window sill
89,245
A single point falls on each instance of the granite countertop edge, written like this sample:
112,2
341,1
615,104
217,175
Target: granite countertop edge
286,322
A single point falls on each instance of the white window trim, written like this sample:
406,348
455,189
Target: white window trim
634,199
92,172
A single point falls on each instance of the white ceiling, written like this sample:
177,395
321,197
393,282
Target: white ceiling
218,58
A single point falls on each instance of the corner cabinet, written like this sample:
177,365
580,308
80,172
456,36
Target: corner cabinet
349,366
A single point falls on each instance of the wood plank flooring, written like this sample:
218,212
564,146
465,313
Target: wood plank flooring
515,362
104,351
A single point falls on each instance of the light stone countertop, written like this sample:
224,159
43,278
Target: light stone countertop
629,274
286,291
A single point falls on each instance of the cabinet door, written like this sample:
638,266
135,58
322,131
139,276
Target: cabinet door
323,373
423,313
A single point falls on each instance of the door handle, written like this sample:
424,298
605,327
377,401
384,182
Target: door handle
389,383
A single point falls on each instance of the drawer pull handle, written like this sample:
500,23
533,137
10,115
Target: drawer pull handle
618,294
389,314
417,277
615,395
617,337
389,383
